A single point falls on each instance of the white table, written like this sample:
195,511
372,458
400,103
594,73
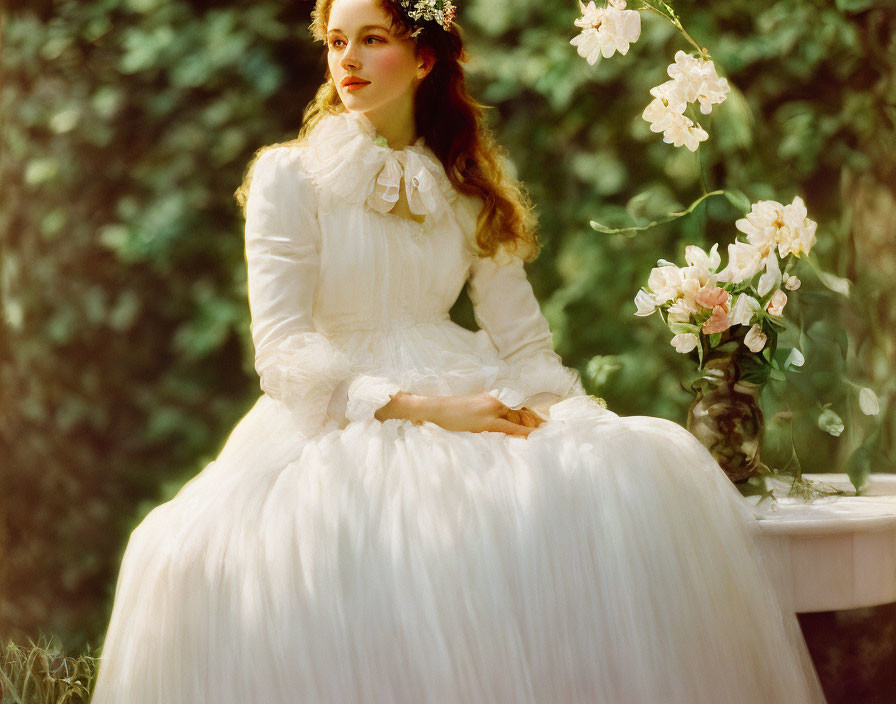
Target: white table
836,552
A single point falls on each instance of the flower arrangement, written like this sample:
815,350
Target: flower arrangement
728,318
700,301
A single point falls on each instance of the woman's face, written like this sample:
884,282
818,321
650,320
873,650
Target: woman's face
362,48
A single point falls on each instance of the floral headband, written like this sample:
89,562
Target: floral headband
440,11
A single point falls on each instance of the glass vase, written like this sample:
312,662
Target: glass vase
725,415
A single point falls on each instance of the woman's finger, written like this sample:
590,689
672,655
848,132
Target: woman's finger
527,418
531,417
505,426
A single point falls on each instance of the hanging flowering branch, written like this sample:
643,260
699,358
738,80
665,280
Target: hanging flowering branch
606,30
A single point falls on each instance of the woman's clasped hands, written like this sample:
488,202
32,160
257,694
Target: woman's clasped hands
475,413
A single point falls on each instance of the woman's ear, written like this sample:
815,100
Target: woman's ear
426,59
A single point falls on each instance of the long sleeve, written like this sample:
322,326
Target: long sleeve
296,364
505,306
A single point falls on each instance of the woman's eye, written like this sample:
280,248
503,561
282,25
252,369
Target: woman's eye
334,42
375,38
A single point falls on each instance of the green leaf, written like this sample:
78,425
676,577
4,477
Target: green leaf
858,467
854,5
684,328
739,200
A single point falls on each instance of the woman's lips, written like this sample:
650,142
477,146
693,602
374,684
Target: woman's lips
355,86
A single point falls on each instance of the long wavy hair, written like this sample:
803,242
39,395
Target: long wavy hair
454,127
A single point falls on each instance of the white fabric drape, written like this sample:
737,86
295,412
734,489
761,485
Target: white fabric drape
327,557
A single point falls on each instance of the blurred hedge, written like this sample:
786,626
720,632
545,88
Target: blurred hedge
125,358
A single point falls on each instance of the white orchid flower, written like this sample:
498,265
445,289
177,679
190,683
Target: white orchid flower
680,311
696,80
743,310
798,235
591,15
705,264
683,71
660,115
744,262
671,93
794,359
770,224
606,30
760,225
776,304
690,287
666,114
665,283
712,89
771,277
685,342
645,302
755,339
792,283
684,131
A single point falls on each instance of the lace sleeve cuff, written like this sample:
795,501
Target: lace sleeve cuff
536,375
302,372
367,394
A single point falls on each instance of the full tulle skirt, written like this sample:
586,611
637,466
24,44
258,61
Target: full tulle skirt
602,559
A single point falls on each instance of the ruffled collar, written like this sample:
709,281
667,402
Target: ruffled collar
347,157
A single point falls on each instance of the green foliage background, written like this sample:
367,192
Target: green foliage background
125,358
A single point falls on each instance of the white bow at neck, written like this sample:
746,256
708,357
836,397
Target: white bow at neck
345,155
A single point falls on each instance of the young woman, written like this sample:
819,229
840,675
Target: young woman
414,512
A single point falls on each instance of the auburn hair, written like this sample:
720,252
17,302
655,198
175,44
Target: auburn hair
454,127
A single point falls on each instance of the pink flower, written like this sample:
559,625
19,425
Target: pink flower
717,322
711,297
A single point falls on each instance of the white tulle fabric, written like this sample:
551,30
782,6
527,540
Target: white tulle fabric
327,557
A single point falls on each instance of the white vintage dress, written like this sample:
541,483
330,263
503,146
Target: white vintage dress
328,557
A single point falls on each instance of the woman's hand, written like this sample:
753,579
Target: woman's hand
475,413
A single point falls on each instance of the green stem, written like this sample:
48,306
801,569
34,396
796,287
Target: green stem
673,18
702,168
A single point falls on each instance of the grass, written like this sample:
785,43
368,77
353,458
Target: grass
42,674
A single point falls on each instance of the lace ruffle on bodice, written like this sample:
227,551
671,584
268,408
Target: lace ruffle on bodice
345,157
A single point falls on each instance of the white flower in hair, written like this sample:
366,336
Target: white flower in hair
440,11
606,30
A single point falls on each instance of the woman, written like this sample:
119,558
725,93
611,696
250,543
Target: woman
414,512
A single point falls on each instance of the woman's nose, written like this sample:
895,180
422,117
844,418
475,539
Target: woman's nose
350,60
